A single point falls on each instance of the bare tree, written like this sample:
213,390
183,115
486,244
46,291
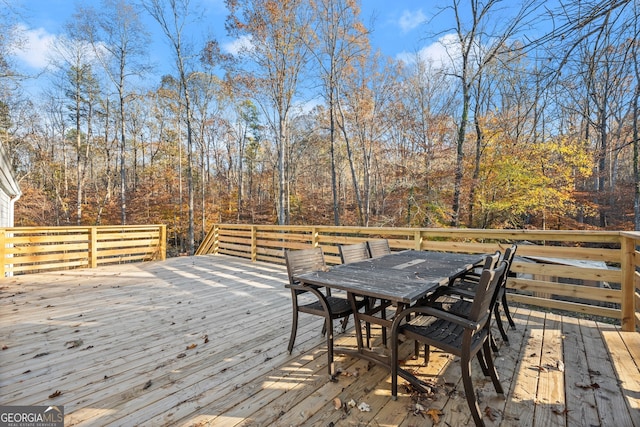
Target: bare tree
119,41
479,40
339,37
274,32
173,17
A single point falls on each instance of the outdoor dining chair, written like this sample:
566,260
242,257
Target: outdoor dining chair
465,337
322,303
469,281
354,253
378,247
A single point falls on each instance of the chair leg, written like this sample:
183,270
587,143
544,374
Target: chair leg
344,323
483,363
383,314
505,307
503,333
469,392
492,369
394,368
329,328
294,330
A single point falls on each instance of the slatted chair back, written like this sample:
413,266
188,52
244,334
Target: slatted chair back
378,247
303,261
486,293
509,255
354,253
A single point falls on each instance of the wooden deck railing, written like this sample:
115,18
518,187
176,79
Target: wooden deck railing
592,273
35,249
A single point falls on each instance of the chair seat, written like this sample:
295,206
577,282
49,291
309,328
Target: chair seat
339,306
440,333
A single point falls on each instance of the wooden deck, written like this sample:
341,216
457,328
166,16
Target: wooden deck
202,341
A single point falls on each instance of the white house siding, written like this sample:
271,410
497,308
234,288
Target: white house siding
9,190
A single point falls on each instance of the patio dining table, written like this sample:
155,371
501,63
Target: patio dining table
400,279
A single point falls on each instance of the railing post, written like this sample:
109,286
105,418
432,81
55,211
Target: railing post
417,240
254,243
93,247
216,238
627,305
162,244
314,237
3,252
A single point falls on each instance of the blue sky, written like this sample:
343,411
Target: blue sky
397,26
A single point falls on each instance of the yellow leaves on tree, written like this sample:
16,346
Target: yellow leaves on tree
538,180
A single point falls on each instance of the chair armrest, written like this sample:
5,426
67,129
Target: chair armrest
434,312
449,291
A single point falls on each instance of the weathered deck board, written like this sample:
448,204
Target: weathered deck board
116,343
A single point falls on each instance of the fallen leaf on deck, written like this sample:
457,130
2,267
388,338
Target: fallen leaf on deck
206,339
352,403
73,344
435,415
586,386
55,394
191,346
4,347
593,372
560,365
559,410
40,355
147,385
337,403
542,368
490,413
364,407
181,355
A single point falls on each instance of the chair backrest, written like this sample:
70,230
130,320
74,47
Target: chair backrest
509,255
353,253
378,247
303,261
486,293
491,261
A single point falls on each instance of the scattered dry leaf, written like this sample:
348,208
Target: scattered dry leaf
4,347
364,407
73,344
181,355
206,339
191,346
586,386
435,415
337,403
147,385
560,365
490,413
559,410
55,394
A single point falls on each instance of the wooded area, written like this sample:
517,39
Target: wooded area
513,131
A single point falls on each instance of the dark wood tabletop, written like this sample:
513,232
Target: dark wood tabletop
401,277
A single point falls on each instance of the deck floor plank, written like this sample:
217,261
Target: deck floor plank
133,366
580,398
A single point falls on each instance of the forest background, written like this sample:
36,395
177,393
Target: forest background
305,123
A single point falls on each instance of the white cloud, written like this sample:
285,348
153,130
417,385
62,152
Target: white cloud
36,49
442,54
244,43
410,20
